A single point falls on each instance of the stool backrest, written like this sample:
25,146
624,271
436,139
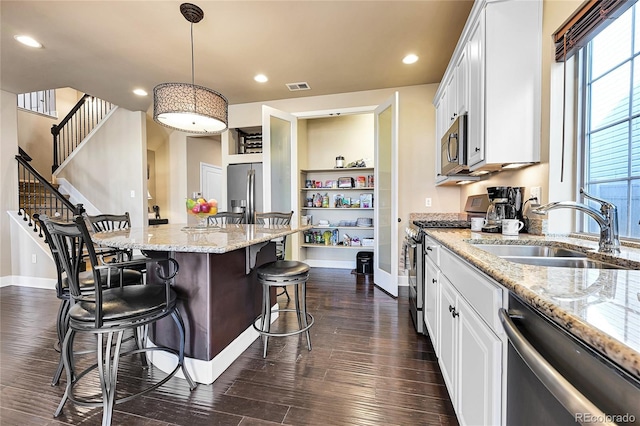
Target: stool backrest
109,222
60,284
225,217
275,218
73,247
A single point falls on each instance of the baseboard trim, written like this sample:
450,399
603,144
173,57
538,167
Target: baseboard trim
207,372
21,281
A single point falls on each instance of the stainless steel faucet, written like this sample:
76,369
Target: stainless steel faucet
607,219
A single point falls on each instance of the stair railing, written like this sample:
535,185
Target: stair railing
38,196
71,131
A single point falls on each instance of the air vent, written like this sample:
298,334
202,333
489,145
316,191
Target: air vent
294,87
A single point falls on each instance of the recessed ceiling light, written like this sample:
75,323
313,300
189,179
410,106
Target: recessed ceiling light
28,41
140,92
410,59
261,78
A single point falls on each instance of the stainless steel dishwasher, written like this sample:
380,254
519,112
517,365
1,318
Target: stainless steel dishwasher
554,379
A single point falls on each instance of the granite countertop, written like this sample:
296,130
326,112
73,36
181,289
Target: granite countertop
180,238
601,307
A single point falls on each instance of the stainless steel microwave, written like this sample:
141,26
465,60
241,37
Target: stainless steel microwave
453,148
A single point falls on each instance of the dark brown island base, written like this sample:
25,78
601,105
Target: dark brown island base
217,286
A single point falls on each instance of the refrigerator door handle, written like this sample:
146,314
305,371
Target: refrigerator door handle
250,195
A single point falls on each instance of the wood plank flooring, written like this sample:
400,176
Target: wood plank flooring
368,366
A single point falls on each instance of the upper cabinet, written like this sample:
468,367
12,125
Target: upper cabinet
496,68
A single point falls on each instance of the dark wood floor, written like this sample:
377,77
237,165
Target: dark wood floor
368,366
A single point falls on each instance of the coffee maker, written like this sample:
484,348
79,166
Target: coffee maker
505,203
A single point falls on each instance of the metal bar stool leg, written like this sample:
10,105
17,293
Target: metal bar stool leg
304,313
267,314
178,320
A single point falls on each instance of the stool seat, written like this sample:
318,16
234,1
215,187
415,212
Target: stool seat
282,269
279,273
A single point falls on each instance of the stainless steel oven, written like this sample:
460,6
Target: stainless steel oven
414,263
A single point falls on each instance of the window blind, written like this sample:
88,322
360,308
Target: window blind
589,20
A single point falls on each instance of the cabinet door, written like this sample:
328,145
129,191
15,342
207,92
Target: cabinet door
462,83
475,131
451,99
432,293
447,335
479,370
441,127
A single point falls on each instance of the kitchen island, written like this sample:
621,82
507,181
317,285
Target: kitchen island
219,295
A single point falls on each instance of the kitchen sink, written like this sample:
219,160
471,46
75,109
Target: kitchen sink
561,262
545,256
529,251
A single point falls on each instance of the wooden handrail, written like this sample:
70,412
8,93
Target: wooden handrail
76,125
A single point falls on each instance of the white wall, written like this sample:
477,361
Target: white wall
111,166
8,175
351,136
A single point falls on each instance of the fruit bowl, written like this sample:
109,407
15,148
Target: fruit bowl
202,208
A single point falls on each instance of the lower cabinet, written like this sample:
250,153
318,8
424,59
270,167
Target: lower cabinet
432,293
479,370
470,351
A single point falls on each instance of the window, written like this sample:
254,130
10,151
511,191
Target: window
610,93
42,102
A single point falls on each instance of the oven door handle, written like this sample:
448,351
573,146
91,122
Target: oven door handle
570,397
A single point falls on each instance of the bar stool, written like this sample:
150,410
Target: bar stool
277,274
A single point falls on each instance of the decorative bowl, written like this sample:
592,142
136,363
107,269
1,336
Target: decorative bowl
201,208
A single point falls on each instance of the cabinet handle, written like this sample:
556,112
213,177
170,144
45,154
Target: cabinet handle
451,308
477,149
455,314
429,248
433,280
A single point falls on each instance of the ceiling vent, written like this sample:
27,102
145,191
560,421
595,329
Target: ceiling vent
294,87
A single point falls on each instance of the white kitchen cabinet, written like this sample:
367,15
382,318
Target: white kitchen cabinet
432,291
503,94
462,83
448,337
466,333
441,127
479,369
475,122
512,84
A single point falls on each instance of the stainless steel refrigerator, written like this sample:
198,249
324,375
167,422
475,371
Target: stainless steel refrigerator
244,188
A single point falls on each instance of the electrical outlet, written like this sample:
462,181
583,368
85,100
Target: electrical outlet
536,191
34,259
133,194
427,202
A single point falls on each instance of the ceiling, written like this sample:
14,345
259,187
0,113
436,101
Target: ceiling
108,48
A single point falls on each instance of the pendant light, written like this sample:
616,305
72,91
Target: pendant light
188,107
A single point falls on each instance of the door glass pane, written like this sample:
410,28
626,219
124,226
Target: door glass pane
384,189
280,165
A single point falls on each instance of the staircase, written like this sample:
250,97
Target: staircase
38,196
35,193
